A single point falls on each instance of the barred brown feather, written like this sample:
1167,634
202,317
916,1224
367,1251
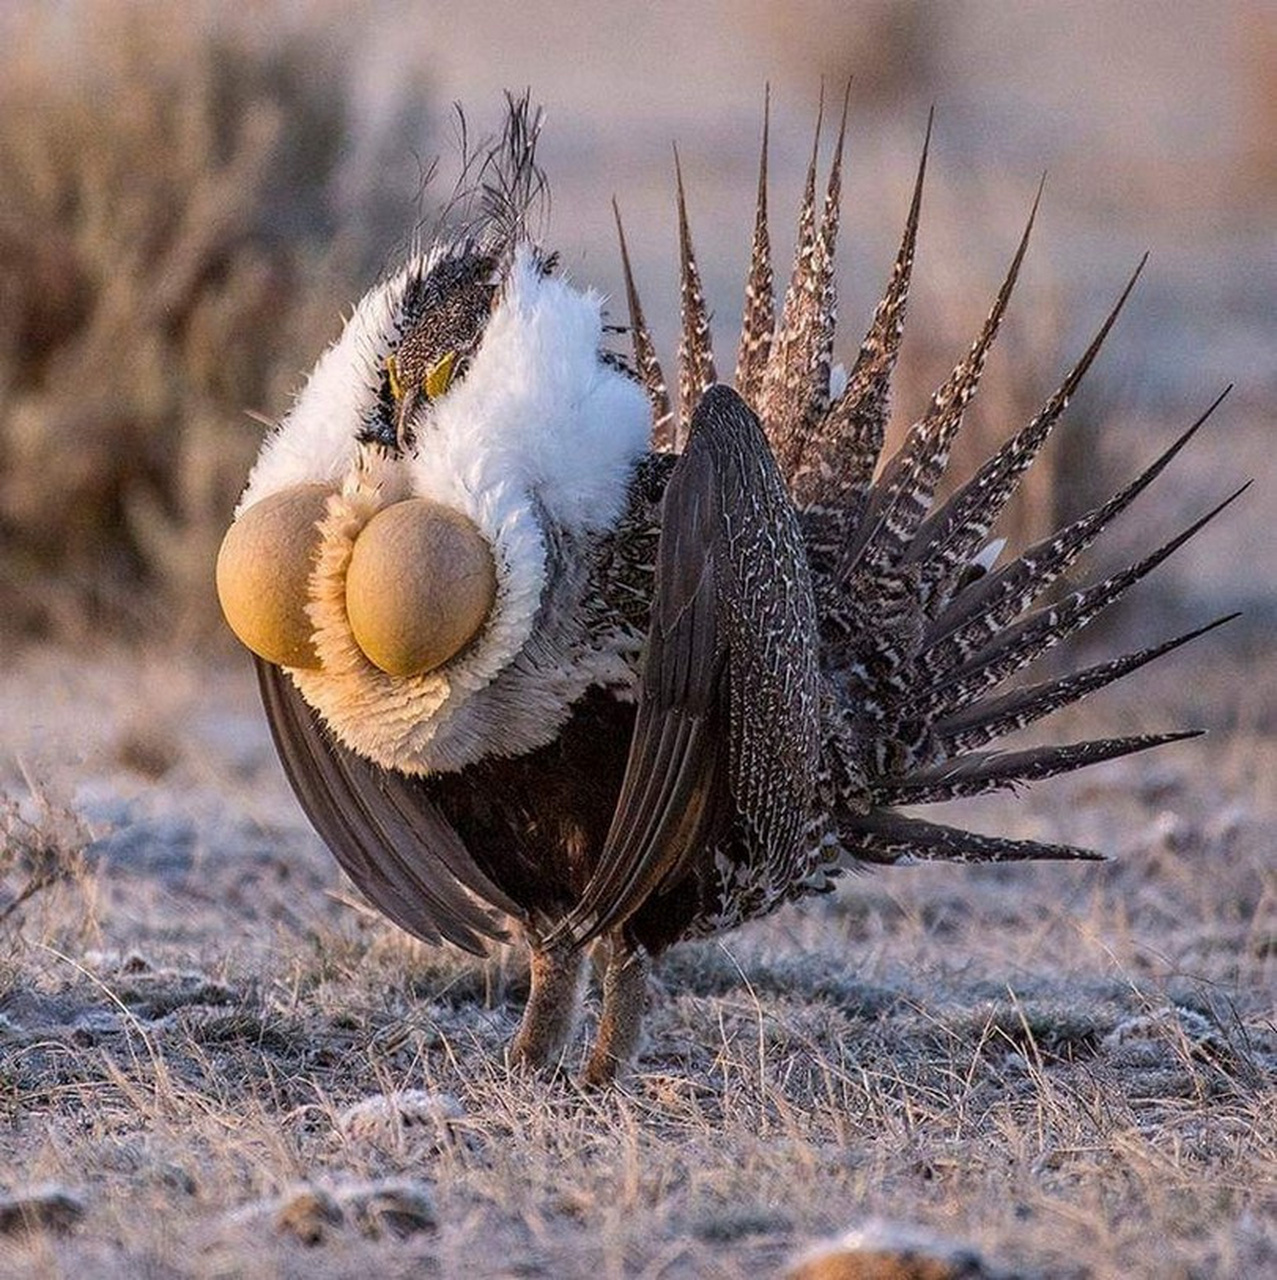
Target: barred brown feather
646,363
819,647
696,372
759,317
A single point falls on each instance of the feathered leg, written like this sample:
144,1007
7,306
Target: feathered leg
621,1022
551,1011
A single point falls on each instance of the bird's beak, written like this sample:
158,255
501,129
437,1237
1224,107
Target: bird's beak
404,410
408,397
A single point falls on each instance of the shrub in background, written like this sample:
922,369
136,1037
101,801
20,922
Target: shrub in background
165,226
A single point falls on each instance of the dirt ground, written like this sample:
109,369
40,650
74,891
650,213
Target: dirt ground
215,1061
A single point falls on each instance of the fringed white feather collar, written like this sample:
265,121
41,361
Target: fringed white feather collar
535,445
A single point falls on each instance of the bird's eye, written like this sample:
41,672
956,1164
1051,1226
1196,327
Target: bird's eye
437,378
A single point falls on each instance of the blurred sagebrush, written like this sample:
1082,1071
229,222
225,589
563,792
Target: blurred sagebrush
165,204
42,846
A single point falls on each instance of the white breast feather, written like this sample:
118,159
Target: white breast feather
539,433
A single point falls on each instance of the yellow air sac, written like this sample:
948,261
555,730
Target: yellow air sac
421,584
262,572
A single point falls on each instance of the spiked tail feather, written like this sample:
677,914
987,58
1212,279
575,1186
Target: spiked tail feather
980,772
1020,644
947,539
759,319
838,457
903,496
983,721
645,361
993,601
695,352
795,386
884,837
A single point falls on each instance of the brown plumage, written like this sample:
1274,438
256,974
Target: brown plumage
818,648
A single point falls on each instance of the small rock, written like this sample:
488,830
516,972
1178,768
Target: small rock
48,1208
311,1212
890,1251
407,1115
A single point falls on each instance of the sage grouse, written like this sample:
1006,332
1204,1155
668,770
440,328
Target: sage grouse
544,647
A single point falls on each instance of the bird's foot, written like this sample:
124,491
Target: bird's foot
621,1022
551,1012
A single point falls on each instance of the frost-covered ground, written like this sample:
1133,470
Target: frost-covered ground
1069,1068
1073,1069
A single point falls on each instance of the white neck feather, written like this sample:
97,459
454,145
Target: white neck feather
538,441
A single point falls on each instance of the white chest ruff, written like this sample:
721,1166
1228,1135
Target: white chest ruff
536,446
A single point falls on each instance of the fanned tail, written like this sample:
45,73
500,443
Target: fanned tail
919,633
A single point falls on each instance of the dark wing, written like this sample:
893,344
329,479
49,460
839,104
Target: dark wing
383,828
726,738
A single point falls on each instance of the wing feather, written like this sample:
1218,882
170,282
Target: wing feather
385,831
726,736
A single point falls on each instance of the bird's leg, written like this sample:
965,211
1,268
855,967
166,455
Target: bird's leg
621,1022
551,1010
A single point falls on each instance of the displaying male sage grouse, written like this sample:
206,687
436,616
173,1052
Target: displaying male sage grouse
541,650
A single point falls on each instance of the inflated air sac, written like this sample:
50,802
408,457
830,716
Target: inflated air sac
263,569
420,586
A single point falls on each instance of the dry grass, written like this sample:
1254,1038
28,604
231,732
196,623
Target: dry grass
41,845
1071,1069
166,201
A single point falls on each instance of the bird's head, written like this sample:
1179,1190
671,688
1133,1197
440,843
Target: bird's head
403,526
442,314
